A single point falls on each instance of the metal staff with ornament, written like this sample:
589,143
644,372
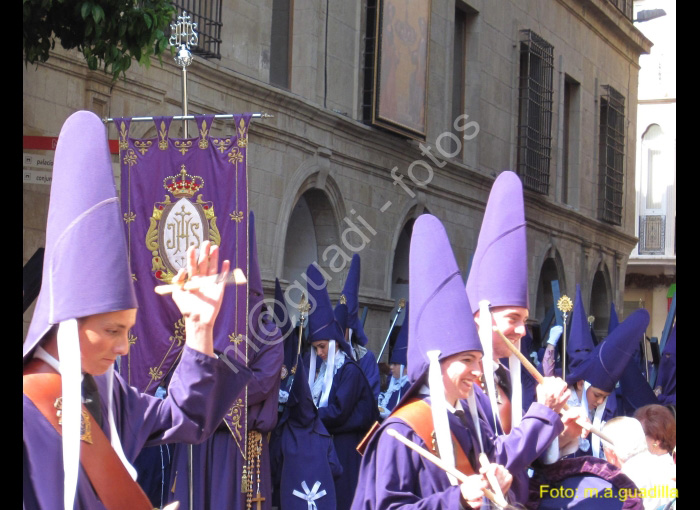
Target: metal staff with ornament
303,313
183,36
402,305
565,305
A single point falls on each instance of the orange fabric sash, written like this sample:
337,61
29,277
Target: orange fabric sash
108,476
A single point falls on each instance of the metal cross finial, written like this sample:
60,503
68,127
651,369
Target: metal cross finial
183,36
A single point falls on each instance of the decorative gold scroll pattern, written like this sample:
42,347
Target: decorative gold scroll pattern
163,137
183,146
203,134
143,146
123,134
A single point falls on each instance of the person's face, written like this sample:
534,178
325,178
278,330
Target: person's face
510,320
395,370
103,337
459,374
595,397
321,349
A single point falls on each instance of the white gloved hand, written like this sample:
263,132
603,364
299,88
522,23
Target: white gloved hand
554,335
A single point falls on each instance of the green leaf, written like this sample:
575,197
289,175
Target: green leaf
98,14
85,9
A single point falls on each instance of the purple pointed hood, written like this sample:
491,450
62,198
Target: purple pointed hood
340,312
400,350
322,323
351,291
86,266
283,322
440,316
499,267
579,344
667,370
605,364
302,410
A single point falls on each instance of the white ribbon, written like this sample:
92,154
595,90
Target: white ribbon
516,401
328,379
597,420
310,496
438,406
68,344
114,439
486,337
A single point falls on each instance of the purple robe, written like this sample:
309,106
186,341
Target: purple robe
368,364
392,475
200,389
525,443
583,483
303,459
351,411
218,462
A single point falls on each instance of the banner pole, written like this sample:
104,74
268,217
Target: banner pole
183,36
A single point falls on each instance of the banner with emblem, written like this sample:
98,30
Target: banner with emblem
177,193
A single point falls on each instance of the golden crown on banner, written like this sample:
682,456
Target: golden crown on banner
183,184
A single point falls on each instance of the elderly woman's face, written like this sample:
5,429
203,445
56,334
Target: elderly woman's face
321,349
459,374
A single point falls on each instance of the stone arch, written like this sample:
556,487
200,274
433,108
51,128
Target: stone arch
551,267
308,224
396,279
397,264
600,299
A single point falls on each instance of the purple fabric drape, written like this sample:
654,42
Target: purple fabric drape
178,192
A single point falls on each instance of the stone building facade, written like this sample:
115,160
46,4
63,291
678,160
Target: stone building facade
651,272
325,183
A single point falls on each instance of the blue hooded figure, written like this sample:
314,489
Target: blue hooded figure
603,368
339,388
353,326
399,383
303,459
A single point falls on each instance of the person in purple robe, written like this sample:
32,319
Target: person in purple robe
339,387
81,326
665,389
601,371
304,463
355,332
497,287
399,383
583,483
218,463
634,391
291,344
439,412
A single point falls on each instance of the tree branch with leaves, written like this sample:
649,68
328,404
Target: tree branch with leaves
109,33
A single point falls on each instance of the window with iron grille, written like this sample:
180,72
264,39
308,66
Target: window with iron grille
612,155
535,111
368,60
207,15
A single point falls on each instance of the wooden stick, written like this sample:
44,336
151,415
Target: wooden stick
439,463
484,461
236,277
540,379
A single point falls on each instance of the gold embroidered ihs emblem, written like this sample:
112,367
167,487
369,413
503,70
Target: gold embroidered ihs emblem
85,425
